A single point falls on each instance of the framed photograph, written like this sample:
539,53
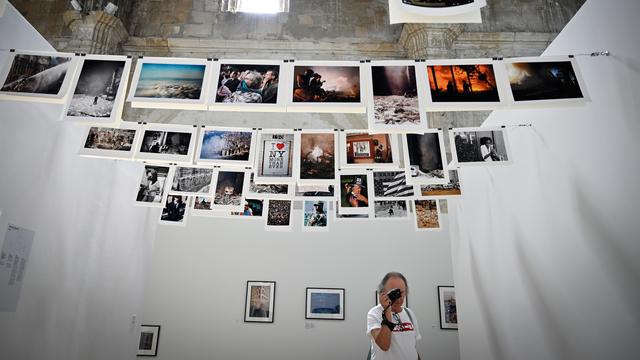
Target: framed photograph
226,147
175,210
325,304
355,192
154,182
316,161
274,157
279,215
167,143
463,85
425,158
38,76
392,185
315,192
377,299
253,209
395,102
315,215
369,151
99,89
110,142
327,86
448,309
479,146
545,81
260,301
230,190
170,83
192,180
249,85
148,344
270,191
451,189
442,7
426,214
390,210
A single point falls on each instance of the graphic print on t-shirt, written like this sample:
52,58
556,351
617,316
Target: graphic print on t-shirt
402,327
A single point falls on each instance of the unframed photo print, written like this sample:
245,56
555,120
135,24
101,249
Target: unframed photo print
425,158
453,188
315,215
192,180
274,158
389,185
167,143
479,146
230,189
315,160
279,215
253,209
269,191
315,192
153,185
355,193
109,142
226,146
426,214
175,210
390,209
365,150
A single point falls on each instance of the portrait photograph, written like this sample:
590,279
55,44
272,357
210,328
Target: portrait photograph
229,191
248,83
537,79
99,90
448,309
259,301
228,147
390,209
274,160
354,193
170,143
108,142
391,184
452,188
279,215
148,343
426,215
425,158
175,210
316,160
315,215
325,304
364,150
253,208
479,146
39,75
153,184
315,192
269,191
189,180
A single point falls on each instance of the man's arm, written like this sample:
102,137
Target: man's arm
382,336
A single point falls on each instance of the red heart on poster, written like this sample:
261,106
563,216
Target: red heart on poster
280,146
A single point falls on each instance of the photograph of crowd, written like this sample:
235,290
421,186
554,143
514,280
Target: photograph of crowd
364,148
450,189
248,83
426,214
437,3
96,89
192,180
395,95
279,213
259,301
353,191
226,145
202,203
395,209
275,155
229,188
463,83
36,74
165,142
315,214
326,84
390,184
543,81
170,81
103,138
480,146
426,164
275,189
315,191
175,209
152,184
317,156
252,207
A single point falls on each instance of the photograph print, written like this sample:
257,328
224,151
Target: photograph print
462,83
269,191
202,206
275,156
479,146
452,188
229,191
391,184
448,308
315,215
253,208
189,180
354,193
225,147
279,214
259,301
425,158
390,209
175,210
318,192
38,75
98,95
396,102
317,162
148,344
247,84
366,150
110,142
426,215
538,80
326,84
152,185
167,143
170,81
325,304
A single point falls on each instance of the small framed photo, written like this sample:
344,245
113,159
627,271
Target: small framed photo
325,304
315,159
396,103
260,301
111,142
192,180
148,344
369,151
226,147
166,143
270,191
279,215
390,210
448,309
230,190
175,210
274,157
426,215
452,189
315,215
392,185
153,184
484,146
425,159
99,89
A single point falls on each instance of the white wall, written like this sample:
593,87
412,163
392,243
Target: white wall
546,250
85,275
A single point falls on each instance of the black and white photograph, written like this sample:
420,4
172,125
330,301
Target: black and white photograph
226,146
148,343
109,142
153,184
248,85
279,215
355,193
252,209
479,146
425,158
170,143
269,191
175,210
324,304
260,301
229,192
274,159
390,209
452,188
98,95
315,215
448,309
317,192
392,184
40,76
189,180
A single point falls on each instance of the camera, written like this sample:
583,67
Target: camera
394,294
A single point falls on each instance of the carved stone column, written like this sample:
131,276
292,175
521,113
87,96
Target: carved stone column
429,41
95,33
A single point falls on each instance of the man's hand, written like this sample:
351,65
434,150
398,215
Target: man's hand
386,304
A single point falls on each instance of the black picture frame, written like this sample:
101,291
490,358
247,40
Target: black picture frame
448,312
155,339
259,315
329,314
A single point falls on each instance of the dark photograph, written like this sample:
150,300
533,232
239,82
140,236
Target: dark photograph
96,90
480,146
175,208
192,180
36,74
317,156
395,95
110,139
229,188
152,184
437,3
543,81
248,84
396,209
391,184
165,142
425,157
463,83
327,84
226,145
353,191
369,149
170,81
279,213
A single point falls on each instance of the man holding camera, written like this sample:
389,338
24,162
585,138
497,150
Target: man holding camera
392,327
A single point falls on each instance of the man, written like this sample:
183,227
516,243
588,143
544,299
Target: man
393,329
270,87
319,218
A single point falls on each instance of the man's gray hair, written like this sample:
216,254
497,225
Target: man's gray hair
390,275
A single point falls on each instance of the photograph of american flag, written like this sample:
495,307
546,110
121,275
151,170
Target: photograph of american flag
391,184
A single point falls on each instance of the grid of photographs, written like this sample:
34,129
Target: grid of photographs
274,159
479,146
316,159
226,147
248,86
425,158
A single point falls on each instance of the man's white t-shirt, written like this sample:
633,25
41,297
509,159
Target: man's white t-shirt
403,337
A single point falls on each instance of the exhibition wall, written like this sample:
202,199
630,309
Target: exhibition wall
546,251
84,279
